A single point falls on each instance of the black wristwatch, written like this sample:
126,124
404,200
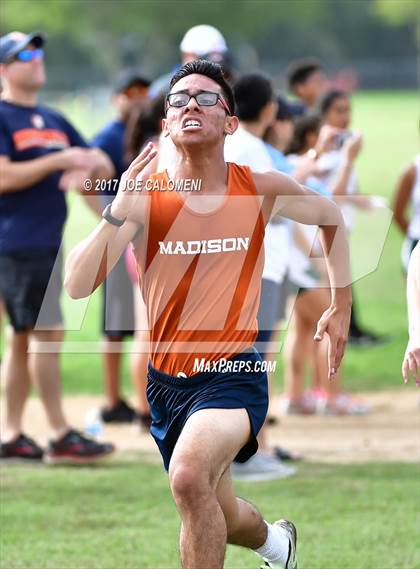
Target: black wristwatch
106,214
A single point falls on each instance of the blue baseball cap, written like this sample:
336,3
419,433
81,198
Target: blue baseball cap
12,43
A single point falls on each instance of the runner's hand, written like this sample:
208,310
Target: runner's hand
334,322
131,183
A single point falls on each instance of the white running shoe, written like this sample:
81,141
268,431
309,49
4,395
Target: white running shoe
260,468
346,404
290,530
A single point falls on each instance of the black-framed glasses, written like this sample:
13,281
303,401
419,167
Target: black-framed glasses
203,98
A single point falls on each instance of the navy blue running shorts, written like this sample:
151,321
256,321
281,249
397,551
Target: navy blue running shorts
173,400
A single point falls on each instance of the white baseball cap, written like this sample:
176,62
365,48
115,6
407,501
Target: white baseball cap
202,40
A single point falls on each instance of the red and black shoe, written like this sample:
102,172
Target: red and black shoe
21,449
74,448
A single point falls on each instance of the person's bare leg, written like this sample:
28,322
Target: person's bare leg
140,355
310,306
332,388
1,320
208,443
45,371
295,354
111,367
317,367
245,525
315,302
15,381
139,371
263,444
270,356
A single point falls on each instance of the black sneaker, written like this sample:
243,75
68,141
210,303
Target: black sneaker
74,448
22,448
120,413
144,421
272,421
283,454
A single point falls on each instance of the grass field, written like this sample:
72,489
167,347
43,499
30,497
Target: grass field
122,517
349,517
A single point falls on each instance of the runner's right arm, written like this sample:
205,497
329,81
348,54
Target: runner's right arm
91,260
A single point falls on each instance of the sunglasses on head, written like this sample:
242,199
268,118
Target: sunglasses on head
203,99
28,55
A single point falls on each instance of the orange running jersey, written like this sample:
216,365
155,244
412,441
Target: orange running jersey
200,274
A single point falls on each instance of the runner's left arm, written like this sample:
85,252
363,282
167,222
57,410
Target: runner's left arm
291,200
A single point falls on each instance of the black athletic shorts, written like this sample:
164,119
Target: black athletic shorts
30,286
173,400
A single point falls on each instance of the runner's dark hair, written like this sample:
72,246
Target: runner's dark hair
208,69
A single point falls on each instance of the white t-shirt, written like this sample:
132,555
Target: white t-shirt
246,149
300,270
329,163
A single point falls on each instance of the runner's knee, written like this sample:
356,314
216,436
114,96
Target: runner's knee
189,483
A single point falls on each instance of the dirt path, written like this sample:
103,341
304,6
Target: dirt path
390,433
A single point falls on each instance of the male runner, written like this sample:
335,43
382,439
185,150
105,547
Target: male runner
200,260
